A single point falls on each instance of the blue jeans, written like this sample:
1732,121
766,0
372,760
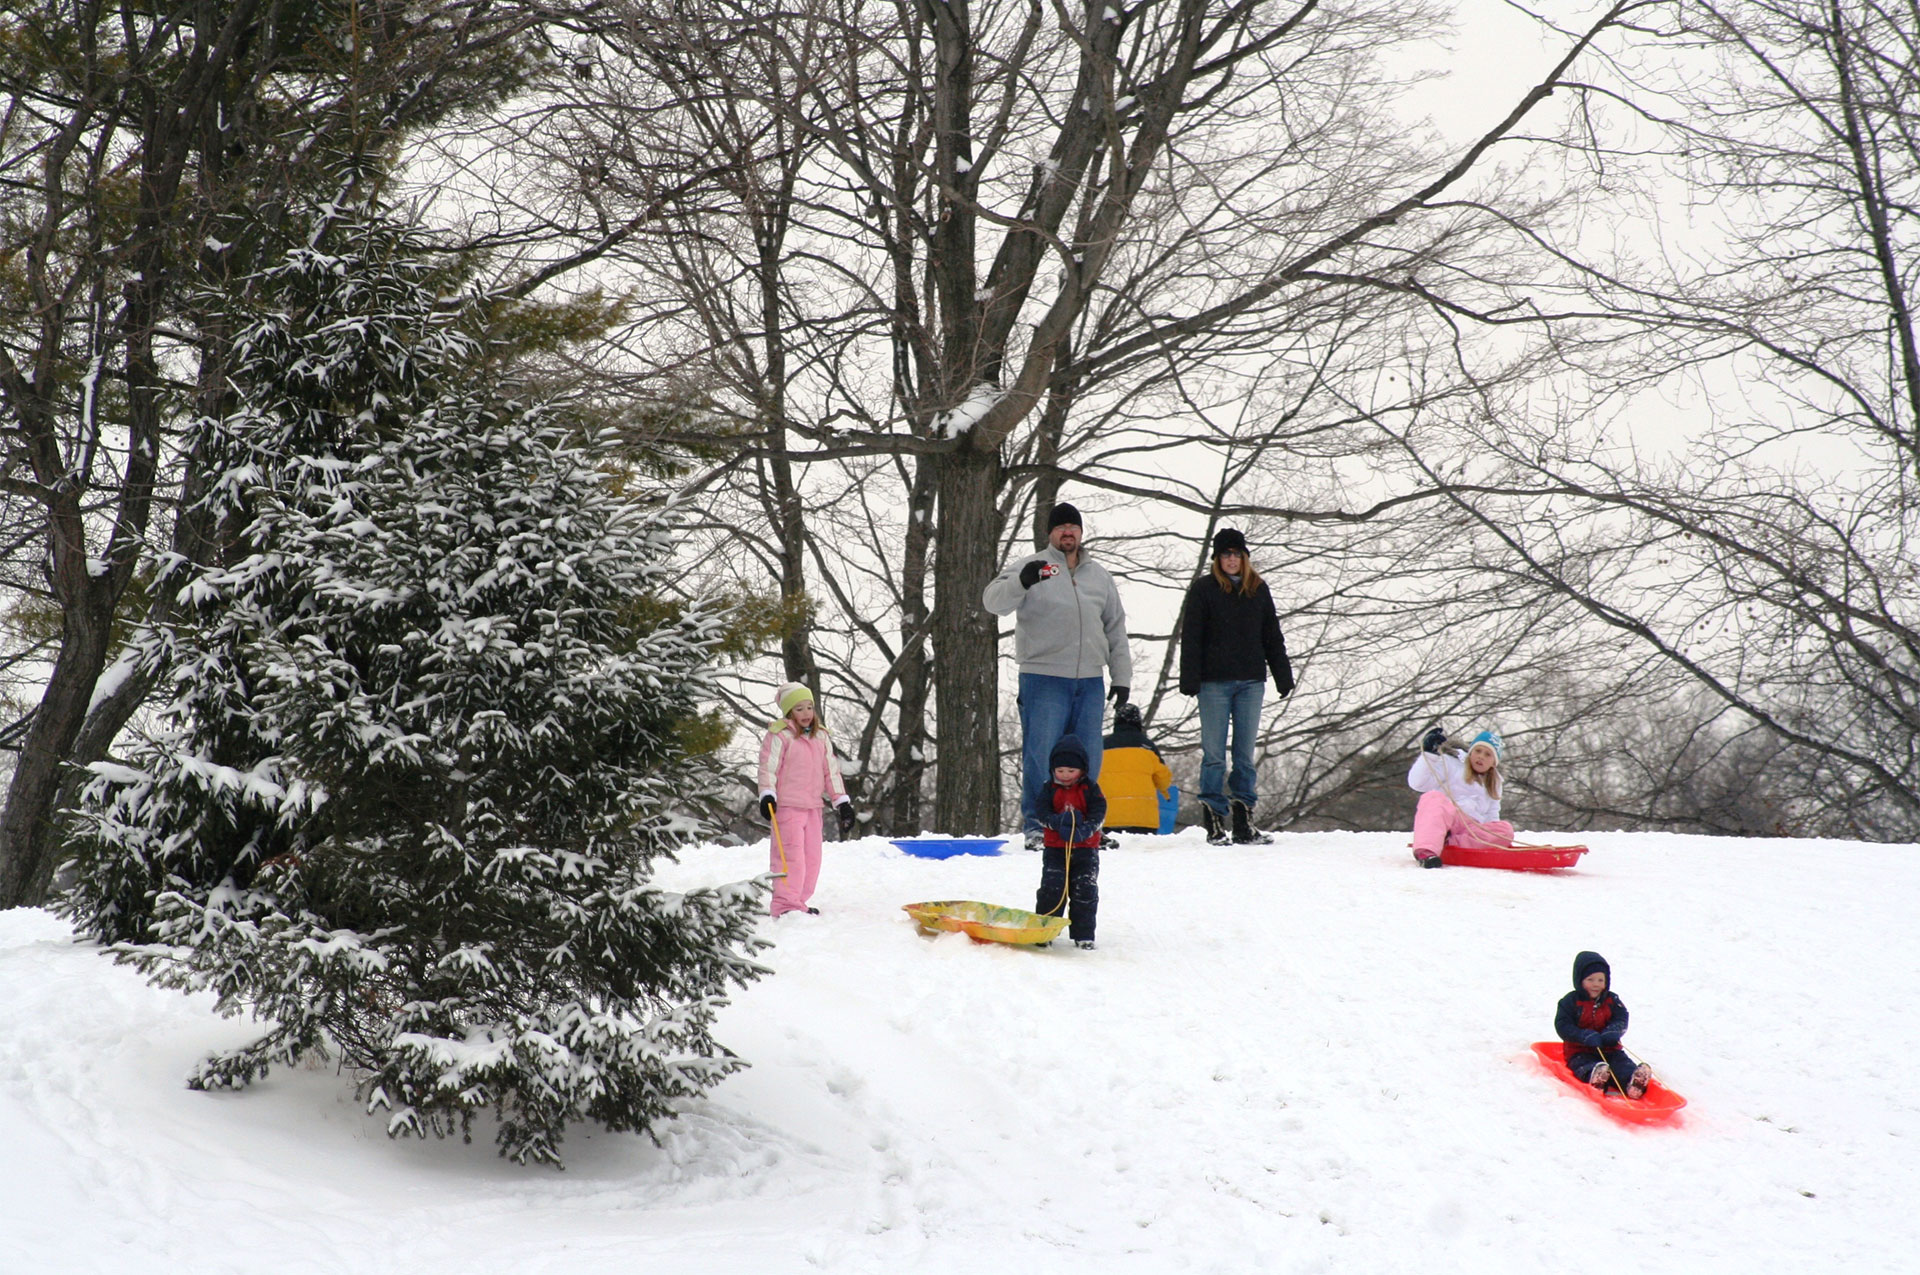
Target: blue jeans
1223,704
1051,708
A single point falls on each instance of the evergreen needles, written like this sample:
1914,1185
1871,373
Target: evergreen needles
422,735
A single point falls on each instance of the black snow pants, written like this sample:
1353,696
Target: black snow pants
1580,1061
1073,891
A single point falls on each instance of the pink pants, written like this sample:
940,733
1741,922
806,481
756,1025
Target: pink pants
1436,821
800,838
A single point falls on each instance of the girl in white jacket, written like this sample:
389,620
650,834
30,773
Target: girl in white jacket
1460,797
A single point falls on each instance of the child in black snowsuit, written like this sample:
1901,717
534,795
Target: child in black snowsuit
1591,1019
1071,808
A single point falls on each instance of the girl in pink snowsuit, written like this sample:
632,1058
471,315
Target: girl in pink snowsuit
1460,797
799,775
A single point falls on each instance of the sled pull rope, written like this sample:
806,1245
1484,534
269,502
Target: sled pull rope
773,817
1615,1076
1066,883
1610,1072
1637,1064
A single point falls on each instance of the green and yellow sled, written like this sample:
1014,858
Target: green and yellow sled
985,923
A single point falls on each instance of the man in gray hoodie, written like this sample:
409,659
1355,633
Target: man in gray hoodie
1069,630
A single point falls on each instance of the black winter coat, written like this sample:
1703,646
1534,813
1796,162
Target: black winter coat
1577,1005
1231,637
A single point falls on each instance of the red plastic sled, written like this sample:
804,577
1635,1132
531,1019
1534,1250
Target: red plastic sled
1514,859
1658,1104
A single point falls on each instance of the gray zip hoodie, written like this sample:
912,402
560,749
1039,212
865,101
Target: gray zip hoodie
1071,625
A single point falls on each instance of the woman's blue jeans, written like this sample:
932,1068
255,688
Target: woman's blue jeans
1051,708
1224,705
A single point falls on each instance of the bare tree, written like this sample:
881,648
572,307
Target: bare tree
931,245
1765,550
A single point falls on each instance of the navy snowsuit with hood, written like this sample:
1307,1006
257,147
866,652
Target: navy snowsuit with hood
1592,1026
1070,870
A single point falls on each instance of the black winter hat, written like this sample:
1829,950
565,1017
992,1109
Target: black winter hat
1127,717
1062,514
1068,752
1586,963
1228,540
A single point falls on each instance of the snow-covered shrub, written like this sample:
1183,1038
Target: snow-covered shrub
425,729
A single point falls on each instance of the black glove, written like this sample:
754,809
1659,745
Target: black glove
1036,571
767,806
847,820
1283,681
1434,738
1118,694
1589,1040
1609,1039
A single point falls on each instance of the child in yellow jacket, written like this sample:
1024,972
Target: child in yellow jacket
1132,774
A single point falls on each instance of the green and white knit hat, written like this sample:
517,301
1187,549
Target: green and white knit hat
791,696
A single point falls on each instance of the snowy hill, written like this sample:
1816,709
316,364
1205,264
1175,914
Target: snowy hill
1308,1057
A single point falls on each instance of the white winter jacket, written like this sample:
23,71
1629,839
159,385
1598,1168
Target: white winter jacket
1440,772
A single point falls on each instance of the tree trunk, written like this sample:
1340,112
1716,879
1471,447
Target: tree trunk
966,645
907,813
783,503
193,541
26,826
1049,432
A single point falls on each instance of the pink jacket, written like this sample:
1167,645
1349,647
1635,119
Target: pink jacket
799,770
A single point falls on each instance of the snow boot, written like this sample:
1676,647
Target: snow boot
1244,833
1599,1077
1085,945
1433,861
1637,1086
1215,825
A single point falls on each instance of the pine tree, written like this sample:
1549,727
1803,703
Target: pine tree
425,734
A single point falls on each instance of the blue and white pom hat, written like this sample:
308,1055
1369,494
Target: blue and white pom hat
1490,739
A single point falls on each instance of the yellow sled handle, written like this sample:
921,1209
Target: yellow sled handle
773,816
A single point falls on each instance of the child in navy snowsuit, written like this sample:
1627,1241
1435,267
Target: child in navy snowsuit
1591,1019
1071,809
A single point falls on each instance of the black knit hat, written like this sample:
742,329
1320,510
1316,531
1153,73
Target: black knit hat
1068,752
1062,514
1229,540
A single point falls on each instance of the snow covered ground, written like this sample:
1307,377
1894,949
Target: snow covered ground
1307,1057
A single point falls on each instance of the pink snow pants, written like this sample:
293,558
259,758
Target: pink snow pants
1436,821
800,837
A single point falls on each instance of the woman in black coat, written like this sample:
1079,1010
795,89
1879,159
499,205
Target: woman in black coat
1229,640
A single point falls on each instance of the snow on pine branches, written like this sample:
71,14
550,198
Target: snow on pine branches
422,736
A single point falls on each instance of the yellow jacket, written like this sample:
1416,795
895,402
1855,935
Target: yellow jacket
1134,780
